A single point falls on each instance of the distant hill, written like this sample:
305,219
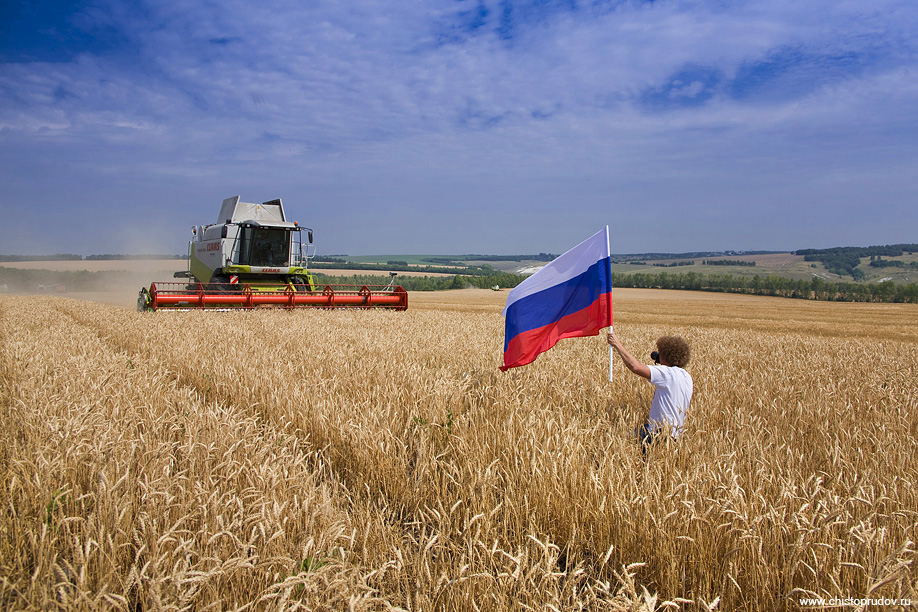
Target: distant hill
889,263
847,260
689,255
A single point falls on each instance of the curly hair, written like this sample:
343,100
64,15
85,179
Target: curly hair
675,350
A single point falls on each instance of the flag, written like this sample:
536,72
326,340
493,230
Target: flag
569,298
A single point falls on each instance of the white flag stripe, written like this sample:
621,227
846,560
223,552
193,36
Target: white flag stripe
572,263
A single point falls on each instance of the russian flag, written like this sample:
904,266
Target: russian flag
569,298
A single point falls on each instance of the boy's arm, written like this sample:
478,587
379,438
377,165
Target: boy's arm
641,369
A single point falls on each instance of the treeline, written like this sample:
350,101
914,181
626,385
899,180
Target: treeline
503,280
845,260
460,260
779,286
539,257
119,256
334,260
727,262
771,285
105,257
58,257
16,279
635,258
704,262
401,266
888,250
893,263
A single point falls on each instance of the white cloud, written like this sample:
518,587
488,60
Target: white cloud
382,105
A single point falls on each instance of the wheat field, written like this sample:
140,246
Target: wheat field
374,460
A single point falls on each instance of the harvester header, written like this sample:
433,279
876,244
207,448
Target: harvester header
252,257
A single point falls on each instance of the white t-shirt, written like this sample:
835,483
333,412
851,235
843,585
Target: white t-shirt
670,398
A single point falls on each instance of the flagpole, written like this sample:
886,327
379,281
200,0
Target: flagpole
610,361
609,272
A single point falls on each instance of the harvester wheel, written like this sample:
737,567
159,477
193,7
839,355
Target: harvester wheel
221,284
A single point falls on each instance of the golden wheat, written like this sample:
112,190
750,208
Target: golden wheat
326,460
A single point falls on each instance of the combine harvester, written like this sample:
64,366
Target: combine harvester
254,258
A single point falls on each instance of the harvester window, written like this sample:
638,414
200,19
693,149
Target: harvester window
262,246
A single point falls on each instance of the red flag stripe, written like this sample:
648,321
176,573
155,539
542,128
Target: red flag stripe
526,346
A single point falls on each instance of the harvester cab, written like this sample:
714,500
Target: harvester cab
252,257
250,243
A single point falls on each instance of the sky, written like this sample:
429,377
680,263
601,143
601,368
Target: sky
461,126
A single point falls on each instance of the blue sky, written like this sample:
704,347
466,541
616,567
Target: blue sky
461,126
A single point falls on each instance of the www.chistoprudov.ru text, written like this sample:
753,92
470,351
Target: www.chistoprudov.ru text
851,601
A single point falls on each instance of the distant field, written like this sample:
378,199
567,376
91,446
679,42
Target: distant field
770,260
96,265
382,273
423,260
781,264
163,265
414,260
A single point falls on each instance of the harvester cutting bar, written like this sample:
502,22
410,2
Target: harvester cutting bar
182,296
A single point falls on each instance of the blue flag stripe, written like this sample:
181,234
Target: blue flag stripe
549,305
